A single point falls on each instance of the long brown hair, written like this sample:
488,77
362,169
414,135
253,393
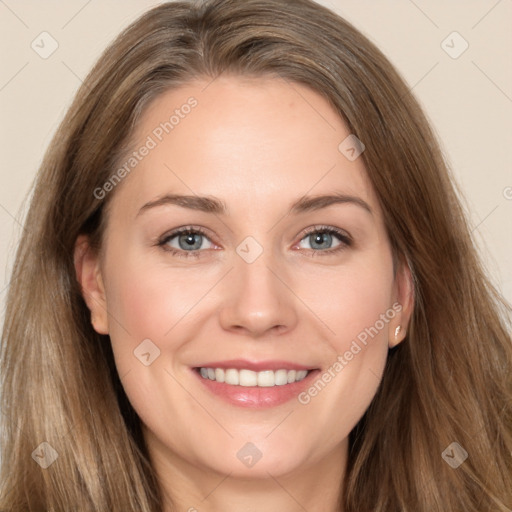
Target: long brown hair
449,381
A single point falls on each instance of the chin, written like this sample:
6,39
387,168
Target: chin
257,460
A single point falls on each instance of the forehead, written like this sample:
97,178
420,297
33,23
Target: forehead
254,142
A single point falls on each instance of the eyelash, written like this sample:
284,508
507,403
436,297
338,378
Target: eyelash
345,240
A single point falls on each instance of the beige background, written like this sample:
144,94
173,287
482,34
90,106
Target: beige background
468,99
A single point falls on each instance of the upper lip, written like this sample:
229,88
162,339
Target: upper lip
240,364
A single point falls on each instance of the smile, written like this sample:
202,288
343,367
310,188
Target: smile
255,385
245,377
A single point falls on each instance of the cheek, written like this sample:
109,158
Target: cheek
149,300
357,308
352,298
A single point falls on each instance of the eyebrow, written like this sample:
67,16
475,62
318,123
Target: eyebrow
211,204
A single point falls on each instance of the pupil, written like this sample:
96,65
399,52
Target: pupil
190,240
322,238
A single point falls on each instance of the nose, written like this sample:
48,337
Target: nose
258,299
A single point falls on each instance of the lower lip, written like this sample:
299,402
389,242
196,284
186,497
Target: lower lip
254,396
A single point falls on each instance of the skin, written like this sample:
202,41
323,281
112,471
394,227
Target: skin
258,145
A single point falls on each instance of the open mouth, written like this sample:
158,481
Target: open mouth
249,378
254,384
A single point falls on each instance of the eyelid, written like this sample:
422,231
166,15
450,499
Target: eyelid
325,228
345,239
164,239
184,229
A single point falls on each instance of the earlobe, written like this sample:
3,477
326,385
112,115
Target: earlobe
405,297
398,336
88,274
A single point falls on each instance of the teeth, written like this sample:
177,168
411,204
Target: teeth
264,379
232,377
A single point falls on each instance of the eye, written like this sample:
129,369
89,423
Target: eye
185,242
188,242
325,240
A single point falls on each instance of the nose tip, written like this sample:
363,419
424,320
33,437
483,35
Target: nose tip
256,300
257,325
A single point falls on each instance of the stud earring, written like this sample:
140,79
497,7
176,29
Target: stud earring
397,331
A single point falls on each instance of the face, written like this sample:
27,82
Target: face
253,275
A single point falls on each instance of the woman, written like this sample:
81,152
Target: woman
246,283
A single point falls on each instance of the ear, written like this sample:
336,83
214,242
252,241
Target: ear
88,274
403,305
